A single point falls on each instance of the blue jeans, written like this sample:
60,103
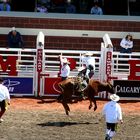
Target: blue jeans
123,50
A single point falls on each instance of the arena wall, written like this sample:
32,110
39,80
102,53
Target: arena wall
28,23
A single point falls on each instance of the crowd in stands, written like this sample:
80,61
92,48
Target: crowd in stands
98,7
5,6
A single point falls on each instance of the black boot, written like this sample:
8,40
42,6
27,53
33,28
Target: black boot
107,137
83,96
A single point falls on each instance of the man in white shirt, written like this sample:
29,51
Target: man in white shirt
113,114
88,63
65,68
4,99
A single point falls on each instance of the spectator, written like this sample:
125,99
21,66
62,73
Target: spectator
15,39
96,10
42,9
43,1
126,44
70,8
113,114
4,99
5,6
65,68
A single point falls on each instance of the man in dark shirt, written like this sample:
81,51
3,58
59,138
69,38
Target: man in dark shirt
14,39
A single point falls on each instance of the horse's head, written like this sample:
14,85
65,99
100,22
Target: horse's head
110,88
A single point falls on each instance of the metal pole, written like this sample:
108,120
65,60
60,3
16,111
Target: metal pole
128,8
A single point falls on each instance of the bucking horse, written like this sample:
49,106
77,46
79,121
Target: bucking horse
72,86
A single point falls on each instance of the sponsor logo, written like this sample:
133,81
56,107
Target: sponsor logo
126,88
39,59
123,89
108,63
10,84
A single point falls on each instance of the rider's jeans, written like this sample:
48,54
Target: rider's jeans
87,73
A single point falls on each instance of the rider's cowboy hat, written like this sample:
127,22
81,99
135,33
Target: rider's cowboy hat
65,60
114,97
88,54
81,68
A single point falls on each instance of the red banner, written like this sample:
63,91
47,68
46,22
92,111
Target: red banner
134,69
108,63
51,85
39,60
9,65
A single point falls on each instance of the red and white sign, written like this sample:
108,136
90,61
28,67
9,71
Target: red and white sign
134,70
9,65
39,59
108,63
51,85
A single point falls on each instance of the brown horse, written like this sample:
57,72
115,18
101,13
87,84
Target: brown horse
70,87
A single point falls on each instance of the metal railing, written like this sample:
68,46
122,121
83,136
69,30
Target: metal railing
27,61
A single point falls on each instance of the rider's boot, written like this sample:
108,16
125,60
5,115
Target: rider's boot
87,80
107,137
83,96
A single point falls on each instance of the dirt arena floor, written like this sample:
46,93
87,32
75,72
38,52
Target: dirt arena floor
45,119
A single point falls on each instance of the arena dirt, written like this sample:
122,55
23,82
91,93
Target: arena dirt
45,119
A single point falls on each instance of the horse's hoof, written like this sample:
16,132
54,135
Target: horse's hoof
95,108
89,107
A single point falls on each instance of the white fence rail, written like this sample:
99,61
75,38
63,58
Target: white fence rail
26,64
27,59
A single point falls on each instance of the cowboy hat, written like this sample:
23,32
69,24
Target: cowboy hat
88,54
114,97
81,68
65,60
13,29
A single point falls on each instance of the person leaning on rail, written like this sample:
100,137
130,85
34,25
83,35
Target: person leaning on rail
15,39
126,44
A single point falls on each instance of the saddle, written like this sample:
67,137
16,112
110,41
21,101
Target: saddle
75,85
81,83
